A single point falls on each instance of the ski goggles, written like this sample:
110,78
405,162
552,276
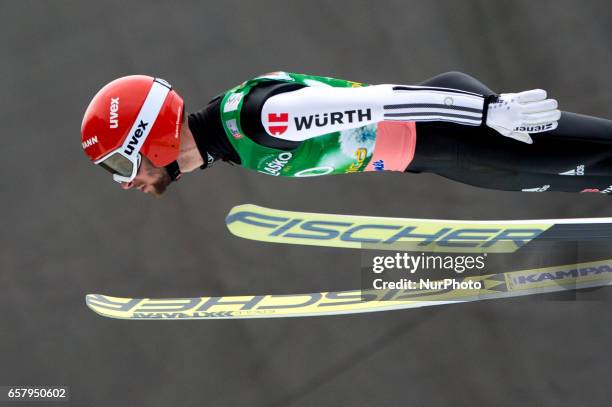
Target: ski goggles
124,162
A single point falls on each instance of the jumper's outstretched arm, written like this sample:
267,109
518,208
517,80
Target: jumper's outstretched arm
313,111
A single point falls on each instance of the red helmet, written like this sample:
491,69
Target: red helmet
130,116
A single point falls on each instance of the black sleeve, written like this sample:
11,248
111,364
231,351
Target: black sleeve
209,134
250,116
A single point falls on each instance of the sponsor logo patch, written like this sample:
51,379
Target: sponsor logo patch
360,155
535,129
275,166
232,102
379,165
387,234
538,189
608,190
210,160
278,123
579,170
560,275
89,142
331,118
232,125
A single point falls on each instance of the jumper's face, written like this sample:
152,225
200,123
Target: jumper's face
150,179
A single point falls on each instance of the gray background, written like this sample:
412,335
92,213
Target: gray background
69,230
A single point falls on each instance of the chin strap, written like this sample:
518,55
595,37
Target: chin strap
173,171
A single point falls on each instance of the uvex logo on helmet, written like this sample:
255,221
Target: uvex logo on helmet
278,123
114,113
142,126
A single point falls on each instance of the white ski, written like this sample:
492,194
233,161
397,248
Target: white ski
493,286
349,231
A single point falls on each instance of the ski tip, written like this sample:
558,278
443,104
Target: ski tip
90,301
245,207
106,306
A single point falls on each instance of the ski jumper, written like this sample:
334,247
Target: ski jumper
285,124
